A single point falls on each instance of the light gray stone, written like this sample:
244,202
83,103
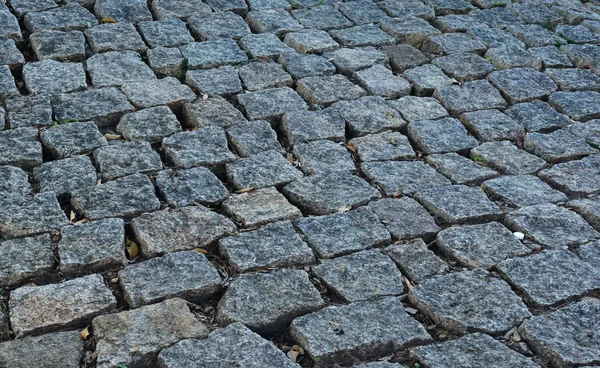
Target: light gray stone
522,84
20,147
28,111
253,138
368,115
58,45
123,11
270,104
114,68
166,61
307,126
27,215
212,111
310,41
186,187
402,177
25,259
419,108
405,218
72,16
205,146
464,67
323,155
212,53
576,178
72,139
114,37
440,136
471,96
277,21
151,125
14,180
380,81
537,116
265,169
65,176
492,125
168,32
53,77
166,91
589,209
507,158
173,8
262,75
415,260
60,349
459,169
350,60
328,89
382,146
209,26
362,35
579,105
122,159
259,207
522,190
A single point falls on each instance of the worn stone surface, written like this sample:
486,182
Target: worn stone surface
464,67
122,159
60,349
14,180
27,215
257,76
380,81
186,187
328,89
558,146
253,138
208,26
25,259
405,218
20,147
264,45
363,35
114,37
537,116
576,178
459,169
270,103
402,177
369,114
382,146
522,84
65,176
155,92
28,111
522,190
149,125
212,111
71,139
426,78
350,60
306,126
589,209
53,77
492,125
130,11
440,136
114,68
206,146
259,207
507,158
415,260
471,96
265,169
323,155
72,16
169,32
212,53
166,61
579,105
306,65
173,8
58,45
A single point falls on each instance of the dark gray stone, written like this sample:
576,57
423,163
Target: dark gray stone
577,34
72,139
163,9
580,105
425,79
209,26
574,79
236,6
265,169
558,146
22,7
264,46
10,54
492,125
537,116
277,21
409,30
380,81
403,56
7,83
590,252
212,111
154,92
205,146
212,53
20,147
512,56
114,68
151,125
415,260
122,159
535,36
402,177
551,57
535,13
590,131
494,37
166,61
522,190
65,176
187,187
10,24
25,259
123,11
382,146
399,8
328,89
270,103
257,76
60,349
452,43
350,60
169,32
363,35
28,111
321,156
471,96
306,126
576,178
219,81
26,215
445,7
259,207
522,84
583,56
114,37
440,136
58,45
323,17
14,180
459,169
589,209
53,77
369,115
464,67
405,218
310,41
253,138
300,66
72,16
507,158
362,11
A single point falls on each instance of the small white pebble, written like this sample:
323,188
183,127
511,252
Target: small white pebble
519,235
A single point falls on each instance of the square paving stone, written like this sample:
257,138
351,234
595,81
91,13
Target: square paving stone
522,191
402,177
464,67
577,34
72,16
69,304
590,252
25,259
471,96
415,260
307,126
187,275
166,61
551,57
274,245
122,159
580,105
349,60
364,275
265,169
576,178
590,131
537,116
10,24
456,23
409,30
522,84
321,156
551,225
65,176
589,209
163,9
10,54
53,77
235,6
20,147
7,83
445,7
380,81
174,230
558,146
114,37
440,136
551,276
535,13
186,187
128,196
60,349
494,37
361,330
277,21
399,8
205,146
72,139
213,53
492,125
260,207
425,79
382,146
459,169
123,11
404,56
369,114
471,351
114,68
574,79
405,218
170,32
22,7
567,336
483,245
512,56
458,204
219,81
469,301
92,247
270,103
14,180
26,215
535,36
58,45
343,233
362,11
104,106
149,93
27,111
583,56
255,299
300,65
362,35
264,46
262,75
135,337
151,125
209,26
253,138
323,17
212,111
328,89
452,43
310,41
507,158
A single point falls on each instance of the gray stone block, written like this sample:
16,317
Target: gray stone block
25,259
362,11
187,187
551,57
163,9
512,56
20,147
381,147
440,136
534,35
306,126
265,169
253,138
212,111
328,89
415,260
324,155
522,84
122,159
271,103
576,178
380,81
169,32
212,53
405,218
10,54
260,207
589,209
115,68
310,41
26,215
471,96
580,105
535,13
65,176
7,83
22,7
494,37
368,115
264,46
263,75
27,111
402,177
151,125
53,77
577,34
506,158
492,125
401,8
459,169
70,17
464,67
123,11
235,6
425,79
154,92
363,35
445,7
60,349
58,45
114,37
72,139
10,24
522,190
574,79
205,146
166,61
209,26
323,17
558,146
14,180
403,56
537,116
590,131
277,21
409,30
350,60
219,81
300,66
452,43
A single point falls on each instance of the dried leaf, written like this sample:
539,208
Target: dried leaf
72,216
107,20
132,248
85,333
351,147
201,250
293,355
409,285
398,193
112,136
245,190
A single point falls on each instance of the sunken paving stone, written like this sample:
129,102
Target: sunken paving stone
426,78
222,345
73,303
576,178
328,89
537,116
135,337
187,275
558,146
324,155
58,45
72,16
72,139
163,9
522,84
149,93
277,21
253,138
507,158
329,192
128,196
440,136
53,77
343,233
368,115
402,177
65,176
551,225
522,190
205,146
380,81
274,245
14,180
93,246
20,147
510,56
363,35
471,96
259,207
492,125
409,30
26,215
310,41
307,126
25,259
186,187
403,57
265,169
382,146
28,111
551,57
151,125
114,37
166,61
574,79
567,336
122,159
300,66
589,209
360,276
551,276
208,26
452,43
10,54
458,204
483,245
459,169
415,260
123,11
464,67
264,45
170,32
174,230
257,76
471,351
115,68
212,111
405,218
270,103
469,301
60,349
580,105
212,53
257,300
360,330
350,60
323,17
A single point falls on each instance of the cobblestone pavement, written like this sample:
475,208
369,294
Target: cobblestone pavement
299,183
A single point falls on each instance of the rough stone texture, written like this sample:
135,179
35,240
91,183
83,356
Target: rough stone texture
270,103
522,84
212,53
115,68
363,35
277,21
205,146
212,111
409,30
440,136
60,349
310,41
300,66
72,139
257,300
507,158
72,16
208,26
26,215
471,96
551,57
537,116
7,83
169,32
321,156
262,170
464,67
559,275
166,61
368,115
343,233
58,45
415,260
134,338
13,180
534,35
403,177
28,111
469,301
53,77
257,76
380,81
576,178
589,209
557,146
459,169
114,37
328,89
323,17
579,105
574,79
350,60
25,259
173,8
73,303
20,147
361,330
419,108
307,126
253,138
522,190
151,125
512,56
65,176
166,91
492,125
403,57
124,11
122,159
187,187
174,230
590,131
405,218
382,146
